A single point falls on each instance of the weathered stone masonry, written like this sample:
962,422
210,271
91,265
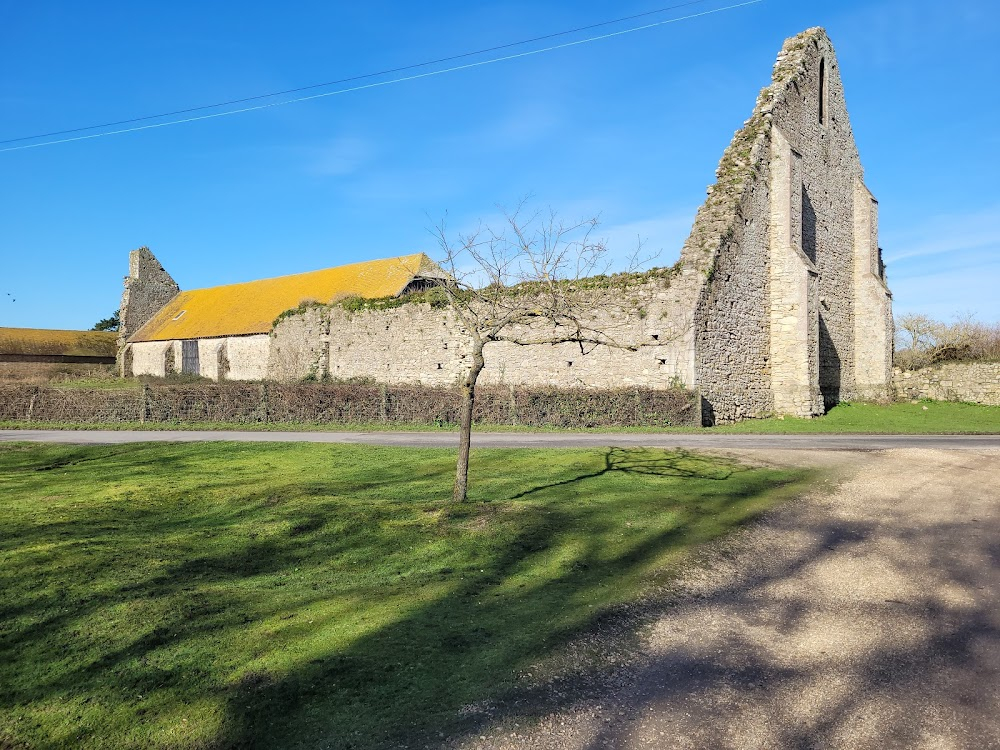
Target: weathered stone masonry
788,241
415,343
975,382
778,304
147,289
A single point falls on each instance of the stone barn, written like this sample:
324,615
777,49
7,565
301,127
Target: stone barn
778,304
224,332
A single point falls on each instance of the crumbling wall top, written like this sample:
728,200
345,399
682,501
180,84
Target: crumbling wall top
742,159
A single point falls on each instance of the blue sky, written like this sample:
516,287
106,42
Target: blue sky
630,127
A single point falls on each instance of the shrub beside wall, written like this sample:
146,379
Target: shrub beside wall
255,403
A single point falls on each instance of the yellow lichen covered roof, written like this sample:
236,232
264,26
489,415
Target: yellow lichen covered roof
43,341
251,307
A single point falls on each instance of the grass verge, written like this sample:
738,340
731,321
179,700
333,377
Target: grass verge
288,596
921,418
905,418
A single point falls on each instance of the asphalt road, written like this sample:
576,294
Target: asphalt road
521,439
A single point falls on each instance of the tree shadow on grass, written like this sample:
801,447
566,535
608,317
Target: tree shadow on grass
474,642
675,463
538,574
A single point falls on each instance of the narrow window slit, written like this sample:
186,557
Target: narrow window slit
822,91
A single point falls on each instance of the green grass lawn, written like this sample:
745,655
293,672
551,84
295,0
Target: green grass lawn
924,417
230,595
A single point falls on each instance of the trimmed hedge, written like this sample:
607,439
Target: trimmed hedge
247,403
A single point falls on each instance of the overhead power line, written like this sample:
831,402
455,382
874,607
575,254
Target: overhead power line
387,71
375,84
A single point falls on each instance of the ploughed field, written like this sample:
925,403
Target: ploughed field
263,595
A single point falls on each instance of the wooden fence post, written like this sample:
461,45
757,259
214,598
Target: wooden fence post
31,405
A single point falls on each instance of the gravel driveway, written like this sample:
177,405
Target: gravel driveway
864,616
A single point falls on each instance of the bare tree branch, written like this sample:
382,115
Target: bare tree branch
524,283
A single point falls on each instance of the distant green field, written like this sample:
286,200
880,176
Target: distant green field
925,417
301,596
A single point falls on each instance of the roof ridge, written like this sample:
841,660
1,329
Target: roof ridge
306,273
250,307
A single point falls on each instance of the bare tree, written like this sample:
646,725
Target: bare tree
525,283
916,335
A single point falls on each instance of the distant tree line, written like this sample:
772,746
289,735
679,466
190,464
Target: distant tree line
108,324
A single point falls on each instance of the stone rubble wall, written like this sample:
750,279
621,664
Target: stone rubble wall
147,289
747,317
975,382
733,319
148,357
415,343
830,167
873,326
794,291
299,346
230,358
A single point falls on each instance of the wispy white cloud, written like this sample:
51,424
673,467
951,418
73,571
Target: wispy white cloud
660,237
340,157
524,124
947,264
946,233
943,294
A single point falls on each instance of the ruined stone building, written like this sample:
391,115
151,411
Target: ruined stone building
226,332
778,304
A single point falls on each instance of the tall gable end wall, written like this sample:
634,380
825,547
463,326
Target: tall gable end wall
779,318
147,289
830,167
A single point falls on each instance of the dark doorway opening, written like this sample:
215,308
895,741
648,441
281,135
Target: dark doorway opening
829,367
808,226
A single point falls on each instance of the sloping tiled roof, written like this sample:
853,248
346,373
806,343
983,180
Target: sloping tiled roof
42,341
251,307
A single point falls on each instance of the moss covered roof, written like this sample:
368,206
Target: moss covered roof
251,307
43,341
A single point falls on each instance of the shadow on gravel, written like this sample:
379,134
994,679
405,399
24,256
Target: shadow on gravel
881,632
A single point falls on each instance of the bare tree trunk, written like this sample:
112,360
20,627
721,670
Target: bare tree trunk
465,433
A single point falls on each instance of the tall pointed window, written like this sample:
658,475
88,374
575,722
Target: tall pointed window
822,91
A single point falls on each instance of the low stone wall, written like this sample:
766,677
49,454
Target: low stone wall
976,382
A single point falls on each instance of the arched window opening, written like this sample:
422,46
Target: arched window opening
822,91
